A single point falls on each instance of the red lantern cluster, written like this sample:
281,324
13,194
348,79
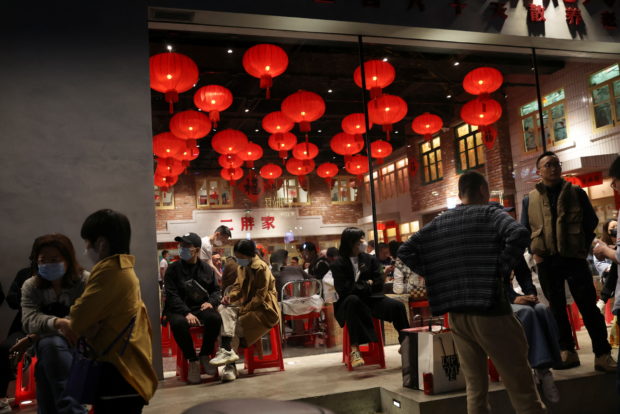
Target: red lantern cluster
265,62
300,168
172,74
483,111
427,125
213,99
378,75
190,125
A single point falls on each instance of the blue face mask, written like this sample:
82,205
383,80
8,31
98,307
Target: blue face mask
185,253
52,271
243,262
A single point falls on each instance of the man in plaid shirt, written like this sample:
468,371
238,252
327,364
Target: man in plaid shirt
465,255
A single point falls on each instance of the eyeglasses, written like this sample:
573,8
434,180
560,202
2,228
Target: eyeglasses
552,164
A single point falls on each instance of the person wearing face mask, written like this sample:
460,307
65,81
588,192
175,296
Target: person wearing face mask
605,261
249,310
318,266
192,297
111,305
57,281
219,238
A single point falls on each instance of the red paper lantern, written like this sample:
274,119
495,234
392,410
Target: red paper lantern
483,81
386,111
300,167
189,153
346,144
166,145
489,136
357,165
270,171
327,171
481,112
354,124
378,74
277,123
250,153
305,151
229,161
169,166
380,149
303,107
282,143
426,125
213,99
265,62
229,141
190,125
171,74
231,174
165,182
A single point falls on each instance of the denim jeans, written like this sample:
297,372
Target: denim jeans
54,359
541,332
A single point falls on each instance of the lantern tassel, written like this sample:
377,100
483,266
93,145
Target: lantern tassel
266,82
214,116
387,128
284,155
172,97
375,92
304,126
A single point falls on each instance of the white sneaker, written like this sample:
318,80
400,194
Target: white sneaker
356,359
193,372
549,389
210,370
5,407
229,373
224,357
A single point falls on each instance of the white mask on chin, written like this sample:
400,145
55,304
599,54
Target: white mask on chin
218,243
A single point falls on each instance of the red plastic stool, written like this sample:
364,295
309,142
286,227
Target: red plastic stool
609,317
493,374
573,321
372,354
167,342
273,360
25,385
182,364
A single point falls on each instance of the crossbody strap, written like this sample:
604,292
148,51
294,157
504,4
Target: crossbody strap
129,329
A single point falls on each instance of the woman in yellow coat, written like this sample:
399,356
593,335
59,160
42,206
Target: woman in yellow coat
249,310
111,300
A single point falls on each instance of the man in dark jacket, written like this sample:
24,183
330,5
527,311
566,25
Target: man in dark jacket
284,273
192,298
466,255
319,265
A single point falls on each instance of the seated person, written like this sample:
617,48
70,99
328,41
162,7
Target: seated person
540,329
229,272
405,279
331,254
46,300
605,261
284,273
315,265
192,296
249,310
359,282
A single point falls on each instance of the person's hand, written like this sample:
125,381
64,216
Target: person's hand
526,300
22,345
389,269
64,327
601,306
206,306
370,282
192,320
538,259
599,250
225,300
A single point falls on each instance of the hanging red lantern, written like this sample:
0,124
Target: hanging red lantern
277,123
270,172
355,124
265,62
378,74
229,141
380,149
231,174
346,144
213,99
229,161
190,125
172,74
483,81
250,153
166,145
164,182
169,166
303,107
481,112
249,186
357,165
386,111
426,125
327,171
300,168
189,153
489,136
305,151
282,143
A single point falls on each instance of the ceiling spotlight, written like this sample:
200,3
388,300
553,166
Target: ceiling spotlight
329,91
385,59
319,131
256,130
197,145
246,110
456,63
169,47
199,110
396,132
229,51
448,96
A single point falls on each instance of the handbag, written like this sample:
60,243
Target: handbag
418,293
83,381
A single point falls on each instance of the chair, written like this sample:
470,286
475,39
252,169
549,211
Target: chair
572,319
182,364
372,353
302,300
274,360
25,384
168,346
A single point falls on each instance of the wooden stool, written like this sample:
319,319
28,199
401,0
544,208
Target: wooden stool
25,384
273,360
371,354
182,363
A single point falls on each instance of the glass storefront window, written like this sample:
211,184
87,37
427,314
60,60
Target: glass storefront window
164,200
553,116
431,161
344,190
292,193
213,193
470,147
605,92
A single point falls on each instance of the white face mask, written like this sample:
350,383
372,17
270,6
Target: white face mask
218,243
93,255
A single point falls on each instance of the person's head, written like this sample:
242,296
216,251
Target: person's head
473,188
244,251
371,246
350,241
383,252
294,261
610,232
54,261
106,233
216,258
164,254
279,258
549,167
394,245
221,235
308,251
262,252
332,254
189,247
614,173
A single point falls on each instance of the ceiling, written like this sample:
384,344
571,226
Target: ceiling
424,79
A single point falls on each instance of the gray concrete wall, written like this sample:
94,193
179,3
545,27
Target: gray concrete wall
75,128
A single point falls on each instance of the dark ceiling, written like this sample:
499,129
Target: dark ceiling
424,79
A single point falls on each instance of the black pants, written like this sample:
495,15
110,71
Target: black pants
115,395
552,272
358,313
7,373
211,321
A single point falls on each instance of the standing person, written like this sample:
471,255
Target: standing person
46,298
605,261
318,265
219,238
110,304
192,297
358,279
562,222
163,265
370,247
465,255
331,255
